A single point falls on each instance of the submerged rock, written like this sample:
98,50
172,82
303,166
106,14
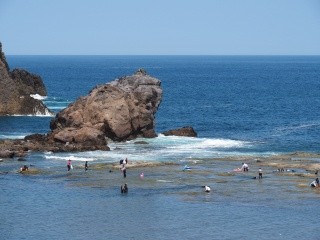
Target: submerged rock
184,131
121,110
15,91
141,142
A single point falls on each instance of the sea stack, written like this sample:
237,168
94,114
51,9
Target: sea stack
17,88
121,110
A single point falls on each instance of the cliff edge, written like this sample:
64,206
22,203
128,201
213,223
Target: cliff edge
16,88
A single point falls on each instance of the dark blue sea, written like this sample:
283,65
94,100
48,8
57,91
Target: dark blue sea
267,104
238,105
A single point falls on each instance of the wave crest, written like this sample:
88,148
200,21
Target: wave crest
66,158
38,97
214,143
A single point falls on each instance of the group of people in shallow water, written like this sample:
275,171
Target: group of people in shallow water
124,162
245,168
70,167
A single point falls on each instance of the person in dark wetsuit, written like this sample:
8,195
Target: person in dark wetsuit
124,189
86,166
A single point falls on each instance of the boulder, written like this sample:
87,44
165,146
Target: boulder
15,91
6,154
121,110
86,135
184,131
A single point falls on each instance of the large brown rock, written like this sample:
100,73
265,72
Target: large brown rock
120,110
15,91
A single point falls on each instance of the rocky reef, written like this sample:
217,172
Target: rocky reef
43,143
17,86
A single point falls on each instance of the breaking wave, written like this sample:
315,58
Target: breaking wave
38,97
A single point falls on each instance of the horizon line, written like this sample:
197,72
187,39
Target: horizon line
218,55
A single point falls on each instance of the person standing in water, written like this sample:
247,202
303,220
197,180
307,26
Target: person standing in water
245,167
124,171
86,166
69,165
260,173
123,167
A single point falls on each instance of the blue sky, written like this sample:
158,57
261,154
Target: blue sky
160,27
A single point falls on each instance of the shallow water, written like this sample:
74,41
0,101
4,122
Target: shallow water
168,203
238,105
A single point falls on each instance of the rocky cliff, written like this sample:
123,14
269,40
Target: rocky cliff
16,88
120,110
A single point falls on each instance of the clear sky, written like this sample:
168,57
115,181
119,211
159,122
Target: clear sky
160,27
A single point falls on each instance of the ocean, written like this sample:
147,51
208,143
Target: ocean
238,105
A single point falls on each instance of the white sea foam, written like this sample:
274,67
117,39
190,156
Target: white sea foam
73,158
163,148
56,107
3,136
38,97
46,114
290,129
177,148
211,143
37,114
